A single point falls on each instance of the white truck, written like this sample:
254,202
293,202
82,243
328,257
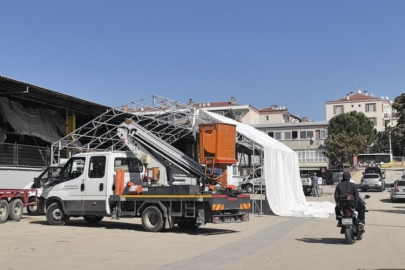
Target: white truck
118,184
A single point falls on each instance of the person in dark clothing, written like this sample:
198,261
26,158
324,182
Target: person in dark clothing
347,187
314,180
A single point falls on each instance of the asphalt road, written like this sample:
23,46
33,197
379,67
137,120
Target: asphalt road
265,242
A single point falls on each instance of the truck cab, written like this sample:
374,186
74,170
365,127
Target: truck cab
87,181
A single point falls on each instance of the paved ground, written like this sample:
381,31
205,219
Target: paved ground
266,242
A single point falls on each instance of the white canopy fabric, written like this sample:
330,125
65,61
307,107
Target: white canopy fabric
284,190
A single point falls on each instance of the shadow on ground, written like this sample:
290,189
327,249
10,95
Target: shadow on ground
138,227
397,201
325,241
388,211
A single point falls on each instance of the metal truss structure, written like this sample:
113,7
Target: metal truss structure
167,119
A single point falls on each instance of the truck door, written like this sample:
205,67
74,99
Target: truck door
71,187
95,192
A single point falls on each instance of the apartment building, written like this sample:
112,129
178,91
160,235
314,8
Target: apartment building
377,109
306,138
278,114
246,114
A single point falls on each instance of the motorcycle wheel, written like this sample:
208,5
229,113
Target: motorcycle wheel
349,236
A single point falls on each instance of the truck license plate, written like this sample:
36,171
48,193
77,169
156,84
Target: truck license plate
347,221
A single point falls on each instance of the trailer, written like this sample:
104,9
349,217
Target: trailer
13,201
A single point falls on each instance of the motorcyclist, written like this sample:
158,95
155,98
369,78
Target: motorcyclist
347,187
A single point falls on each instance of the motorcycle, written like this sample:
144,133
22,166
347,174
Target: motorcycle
348,219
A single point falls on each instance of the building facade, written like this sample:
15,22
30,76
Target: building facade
305,138
378,110
246,114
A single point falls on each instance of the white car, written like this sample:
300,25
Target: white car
51,172
254,182
398,190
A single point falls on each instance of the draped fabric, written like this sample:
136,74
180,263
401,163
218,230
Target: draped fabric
284,189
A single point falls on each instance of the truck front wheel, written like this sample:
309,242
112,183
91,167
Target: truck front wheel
152,219
55,215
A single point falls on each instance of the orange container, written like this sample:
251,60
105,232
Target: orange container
119,181
217,143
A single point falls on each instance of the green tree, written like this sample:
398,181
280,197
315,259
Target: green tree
348,135
381,142
230,114
399,107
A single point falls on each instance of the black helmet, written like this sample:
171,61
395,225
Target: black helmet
346,176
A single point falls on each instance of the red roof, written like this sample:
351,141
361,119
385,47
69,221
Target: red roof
357,97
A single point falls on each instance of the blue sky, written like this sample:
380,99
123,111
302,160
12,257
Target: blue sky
297,54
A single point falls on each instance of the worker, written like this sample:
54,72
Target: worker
314,179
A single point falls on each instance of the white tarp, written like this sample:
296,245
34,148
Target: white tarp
284,190
41,123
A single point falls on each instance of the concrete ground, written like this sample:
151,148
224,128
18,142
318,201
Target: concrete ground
265,242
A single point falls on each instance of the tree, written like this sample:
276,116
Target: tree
348,135
230,114
381,142
399,106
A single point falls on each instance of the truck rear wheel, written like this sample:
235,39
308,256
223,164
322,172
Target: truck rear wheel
152,219
3,211
16,210
55,215
93,219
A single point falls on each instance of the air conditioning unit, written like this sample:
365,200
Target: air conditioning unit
386,115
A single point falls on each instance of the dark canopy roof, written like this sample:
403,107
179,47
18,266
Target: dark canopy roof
36,96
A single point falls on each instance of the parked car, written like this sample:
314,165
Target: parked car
306,184
254,182
372,179
50,173
398,190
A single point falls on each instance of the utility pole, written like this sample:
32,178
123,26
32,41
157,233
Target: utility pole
389,140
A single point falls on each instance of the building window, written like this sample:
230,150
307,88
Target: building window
370,107
267,118
287,135
374,120
271,134
294,135
322,134
277,135
312,155
303,135
238,114
337,109
310,134
220,113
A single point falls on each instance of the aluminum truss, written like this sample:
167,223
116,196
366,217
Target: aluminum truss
167,119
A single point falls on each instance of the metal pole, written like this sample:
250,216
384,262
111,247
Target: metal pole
389,139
